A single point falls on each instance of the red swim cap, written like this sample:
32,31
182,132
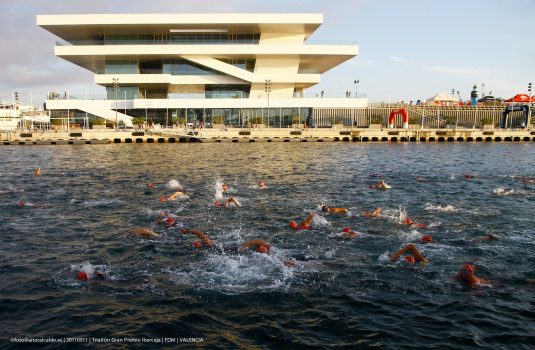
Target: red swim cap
407,221
169,221
346,230
262,249
217,203
82,276
410,259
197,244
293,225
427,239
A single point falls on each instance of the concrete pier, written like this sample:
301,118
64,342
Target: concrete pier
239,135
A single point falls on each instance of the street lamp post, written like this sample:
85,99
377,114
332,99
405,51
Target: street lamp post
16,95
529,106
115,89
356,83
267,89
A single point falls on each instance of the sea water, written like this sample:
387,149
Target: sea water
339,292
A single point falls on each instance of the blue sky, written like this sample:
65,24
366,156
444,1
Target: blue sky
409,49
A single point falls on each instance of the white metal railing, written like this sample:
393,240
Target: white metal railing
201,42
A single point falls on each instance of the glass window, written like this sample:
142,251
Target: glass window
123,92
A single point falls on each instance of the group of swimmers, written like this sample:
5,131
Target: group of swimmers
409,253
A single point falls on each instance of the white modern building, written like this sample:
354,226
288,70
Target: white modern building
234,69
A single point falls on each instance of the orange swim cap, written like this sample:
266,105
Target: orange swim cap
82,276
197,244
262,249
407,221
346,230
162,199
427,239
410,259
293,225
468,268
169,221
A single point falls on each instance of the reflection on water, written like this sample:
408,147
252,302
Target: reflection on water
336,291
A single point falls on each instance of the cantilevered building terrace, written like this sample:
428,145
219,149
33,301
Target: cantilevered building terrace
235,69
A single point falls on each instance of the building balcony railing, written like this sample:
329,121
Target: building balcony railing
201,42
206,95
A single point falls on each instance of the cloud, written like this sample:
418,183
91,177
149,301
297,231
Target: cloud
461,71
400,59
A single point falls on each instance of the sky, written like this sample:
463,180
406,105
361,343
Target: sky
408,49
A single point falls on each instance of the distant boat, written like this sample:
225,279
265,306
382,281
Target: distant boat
15,115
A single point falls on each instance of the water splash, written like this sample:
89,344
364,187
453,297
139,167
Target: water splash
105,202
173,185
232,274
218,187
320,221
395,215
440,208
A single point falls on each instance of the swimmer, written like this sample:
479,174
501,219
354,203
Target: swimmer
414,254
149,189
331,210
168,221
376,213
305,225
232,200
526,180
256,244
205,241
466,276
383,185
421,179
24,204
347,233
262,185
37,172
143,232
178,194
469,176
408,221
487,237
83,276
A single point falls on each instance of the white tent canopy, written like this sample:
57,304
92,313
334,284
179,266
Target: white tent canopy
442,98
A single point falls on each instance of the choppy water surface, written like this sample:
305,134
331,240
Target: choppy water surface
346,293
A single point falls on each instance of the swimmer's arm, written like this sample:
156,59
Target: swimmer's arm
395,256
192,231
308,221
232,200
418,255
203,237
